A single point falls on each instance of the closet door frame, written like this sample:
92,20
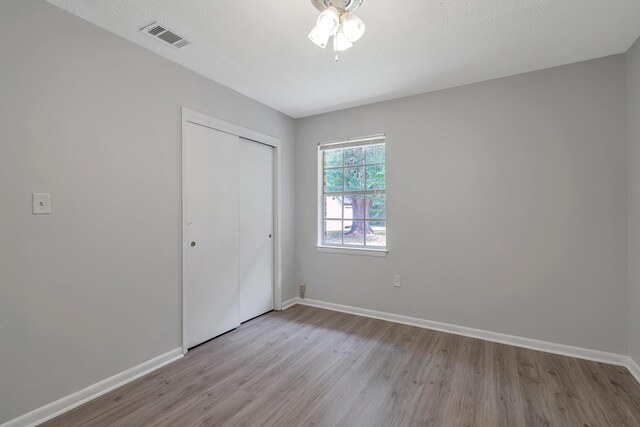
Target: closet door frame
195,117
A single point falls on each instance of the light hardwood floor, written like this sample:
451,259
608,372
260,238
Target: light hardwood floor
307,366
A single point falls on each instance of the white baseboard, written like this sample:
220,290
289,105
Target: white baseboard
73,400
549,347
633,367
289,303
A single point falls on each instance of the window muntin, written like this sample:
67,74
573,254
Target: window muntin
353,211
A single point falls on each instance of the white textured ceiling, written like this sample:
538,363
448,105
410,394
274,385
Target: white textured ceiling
260,47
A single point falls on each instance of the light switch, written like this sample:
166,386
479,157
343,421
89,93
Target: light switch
41,204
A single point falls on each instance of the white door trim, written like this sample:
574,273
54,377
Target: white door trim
195,117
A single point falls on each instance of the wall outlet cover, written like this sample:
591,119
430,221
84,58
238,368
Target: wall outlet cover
397,281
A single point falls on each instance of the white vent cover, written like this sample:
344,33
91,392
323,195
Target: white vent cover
164,34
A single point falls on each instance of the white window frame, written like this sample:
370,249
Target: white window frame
347,249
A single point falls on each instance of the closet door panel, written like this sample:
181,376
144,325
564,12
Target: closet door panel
212,288
256,229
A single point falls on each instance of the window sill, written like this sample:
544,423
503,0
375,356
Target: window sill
352,251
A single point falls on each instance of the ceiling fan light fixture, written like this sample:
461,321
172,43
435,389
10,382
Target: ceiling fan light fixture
352,27
319,37
337,19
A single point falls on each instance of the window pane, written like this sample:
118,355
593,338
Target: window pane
350,217
354,179
353,233
333,207
333,180
333,158
333,232
353,207
376,177
354,156
375,153
377,233
376,206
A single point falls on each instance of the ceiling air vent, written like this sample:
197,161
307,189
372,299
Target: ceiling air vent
161,32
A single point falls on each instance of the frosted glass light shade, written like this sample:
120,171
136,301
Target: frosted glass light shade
319,36
353,27
340,41
329,20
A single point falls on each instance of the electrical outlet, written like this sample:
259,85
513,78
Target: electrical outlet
397,281
301,289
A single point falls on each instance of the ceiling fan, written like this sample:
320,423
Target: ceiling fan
337,20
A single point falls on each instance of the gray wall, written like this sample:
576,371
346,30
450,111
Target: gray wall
507,207
633,123
95,288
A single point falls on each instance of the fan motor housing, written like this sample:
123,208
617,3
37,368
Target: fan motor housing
348,5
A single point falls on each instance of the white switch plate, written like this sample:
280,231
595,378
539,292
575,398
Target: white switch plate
397,281
41,204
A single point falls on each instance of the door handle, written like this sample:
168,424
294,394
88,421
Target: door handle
269,235
193,244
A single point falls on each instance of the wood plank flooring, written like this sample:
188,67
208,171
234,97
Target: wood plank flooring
312,367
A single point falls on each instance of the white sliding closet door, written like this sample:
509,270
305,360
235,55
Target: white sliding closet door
256,229
212,297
